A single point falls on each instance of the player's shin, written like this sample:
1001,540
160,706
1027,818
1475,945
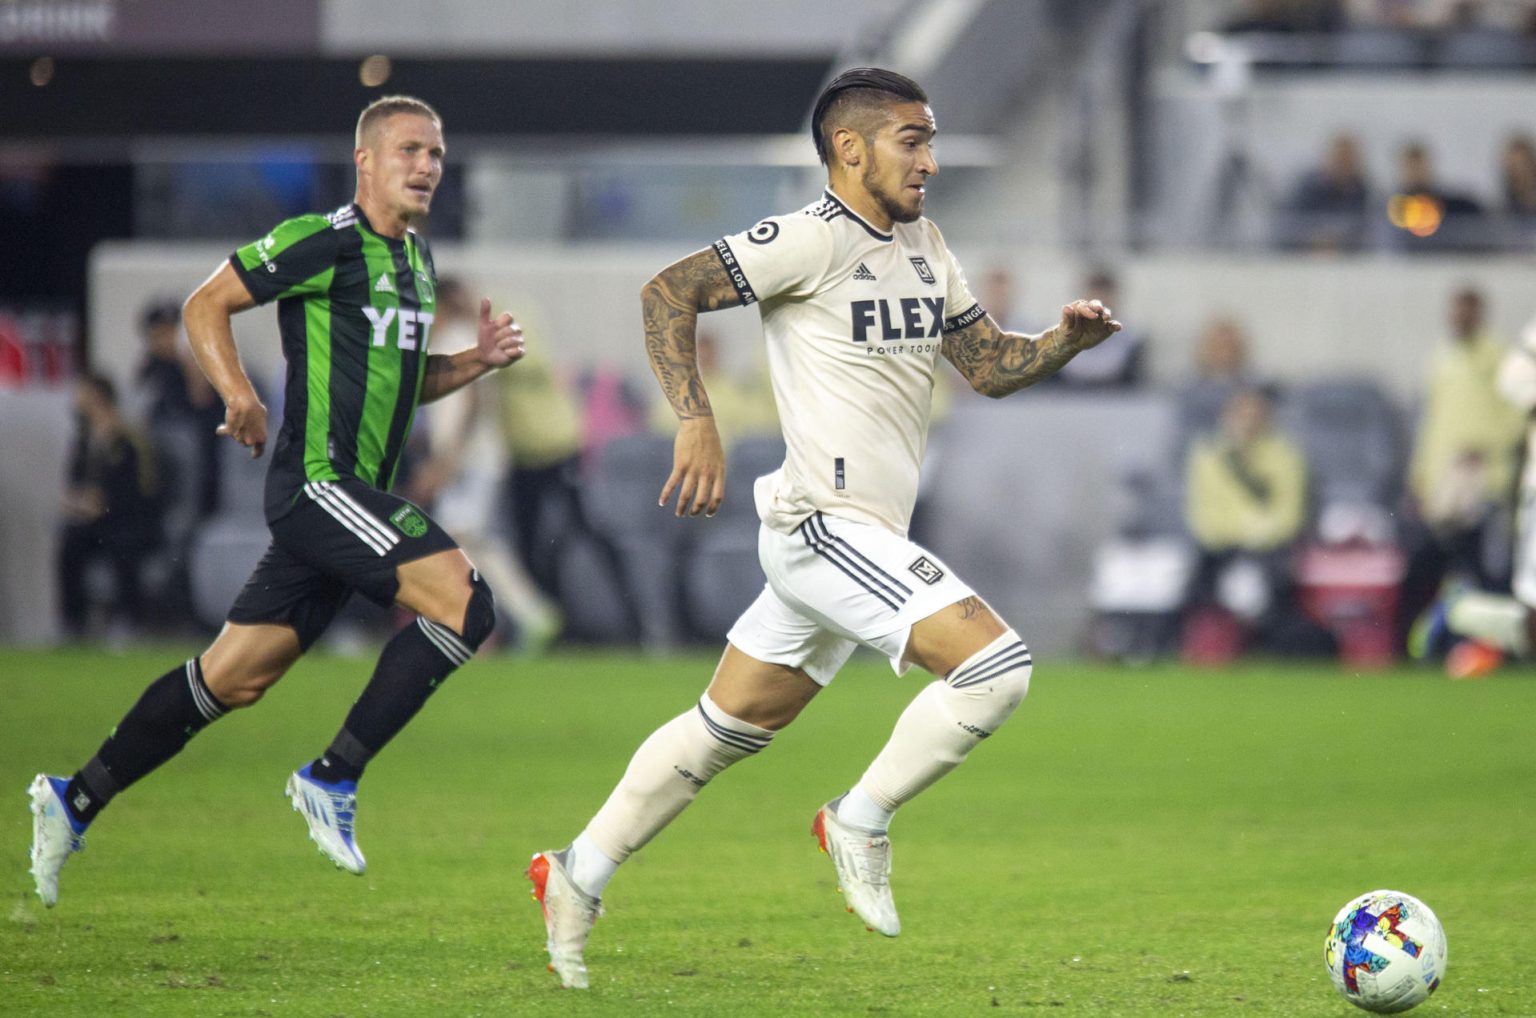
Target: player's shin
413,665
664,776
174,708
938,729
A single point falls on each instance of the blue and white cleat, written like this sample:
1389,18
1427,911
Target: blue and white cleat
56,835
330,810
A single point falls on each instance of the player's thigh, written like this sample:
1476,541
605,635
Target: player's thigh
946,639
285,591
758,692
380,545
873,586
436,586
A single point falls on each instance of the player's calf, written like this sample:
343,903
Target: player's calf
415,662
935,733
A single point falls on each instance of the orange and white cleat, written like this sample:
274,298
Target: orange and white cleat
863,864
1472,659
568,917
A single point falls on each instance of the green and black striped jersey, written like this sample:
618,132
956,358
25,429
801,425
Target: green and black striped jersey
355,311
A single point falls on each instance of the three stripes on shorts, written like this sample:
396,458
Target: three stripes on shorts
857,566
350,513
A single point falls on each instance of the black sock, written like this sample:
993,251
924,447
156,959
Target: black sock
414,663
175,707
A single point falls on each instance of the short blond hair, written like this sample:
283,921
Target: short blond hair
386,106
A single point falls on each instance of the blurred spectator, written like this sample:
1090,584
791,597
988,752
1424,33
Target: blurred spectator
171,394
1287,16
462,477
1329,209
1429,216
1245,505
1117,362
109,510
742,401
1462,473
1221,368
542,427
1518,175
999,294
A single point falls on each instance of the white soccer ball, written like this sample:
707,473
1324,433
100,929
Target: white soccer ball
1385,952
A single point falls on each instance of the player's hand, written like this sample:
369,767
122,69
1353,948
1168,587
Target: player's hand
499,339
1086,323
246,423
698,468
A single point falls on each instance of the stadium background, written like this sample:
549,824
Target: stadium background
592,142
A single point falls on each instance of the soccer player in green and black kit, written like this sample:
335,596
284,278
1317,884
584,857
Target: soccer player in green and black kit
355,298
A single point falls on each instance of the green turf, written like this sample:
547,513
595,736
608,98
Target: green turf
1156,842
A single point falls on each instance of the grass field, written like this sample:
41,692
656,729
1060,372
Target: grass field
1157,842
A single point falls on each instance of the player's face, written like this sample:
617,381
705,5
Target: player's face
901,161
405,163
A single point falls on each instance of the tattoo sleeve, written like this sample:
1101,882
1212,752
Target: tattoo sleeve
671,303
997,363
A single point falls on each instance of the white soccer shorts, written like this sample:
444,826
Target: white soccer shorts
834,584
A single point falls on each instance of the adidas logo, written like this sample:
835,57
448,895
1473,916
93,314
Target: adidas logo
384,285
863,273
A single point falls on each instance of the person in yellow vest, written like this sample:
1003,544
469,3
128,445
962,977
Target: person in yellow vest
543,431
1462,475
1245,504
742,401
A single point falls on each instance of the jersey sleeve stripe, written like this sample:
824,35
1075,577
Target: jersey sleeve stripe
960,321
733,269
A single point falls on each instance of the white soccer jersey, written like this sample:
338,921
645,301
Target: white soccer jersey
854,319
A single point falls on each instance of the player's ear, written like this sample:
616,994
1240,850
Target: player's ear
848,144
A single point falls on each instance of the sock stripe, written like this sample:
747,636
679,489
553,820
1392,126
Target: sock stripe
446,640
1015,655
206,704
731,737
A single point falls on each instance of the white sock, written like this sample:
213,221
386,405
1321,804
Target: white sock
587,866
857,810
1491,618
944,723
666,773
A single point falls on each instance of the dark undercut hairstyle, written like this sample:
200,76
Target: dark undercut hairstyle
386,106
853,98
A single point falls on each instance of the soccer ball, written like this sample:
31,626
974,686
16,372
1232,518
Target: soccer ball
1385,952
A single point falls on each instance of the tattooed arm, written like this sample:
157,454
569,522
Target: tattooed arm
671,303
997,363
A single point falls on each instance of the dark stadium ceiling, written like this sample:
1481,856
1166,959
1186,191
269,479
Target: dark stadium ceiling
106,98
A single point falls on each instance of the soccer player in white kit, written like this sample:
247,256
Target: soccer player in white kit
859,297
1495,625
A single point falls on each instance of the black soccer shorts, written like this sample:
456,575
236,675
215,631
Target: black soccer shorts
339,537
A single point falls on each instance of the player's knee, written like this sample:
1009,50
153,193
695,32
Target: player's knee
985,704
480,613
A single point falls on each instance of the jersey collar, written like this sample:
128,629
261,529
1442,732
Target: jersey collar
835,200
363,220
